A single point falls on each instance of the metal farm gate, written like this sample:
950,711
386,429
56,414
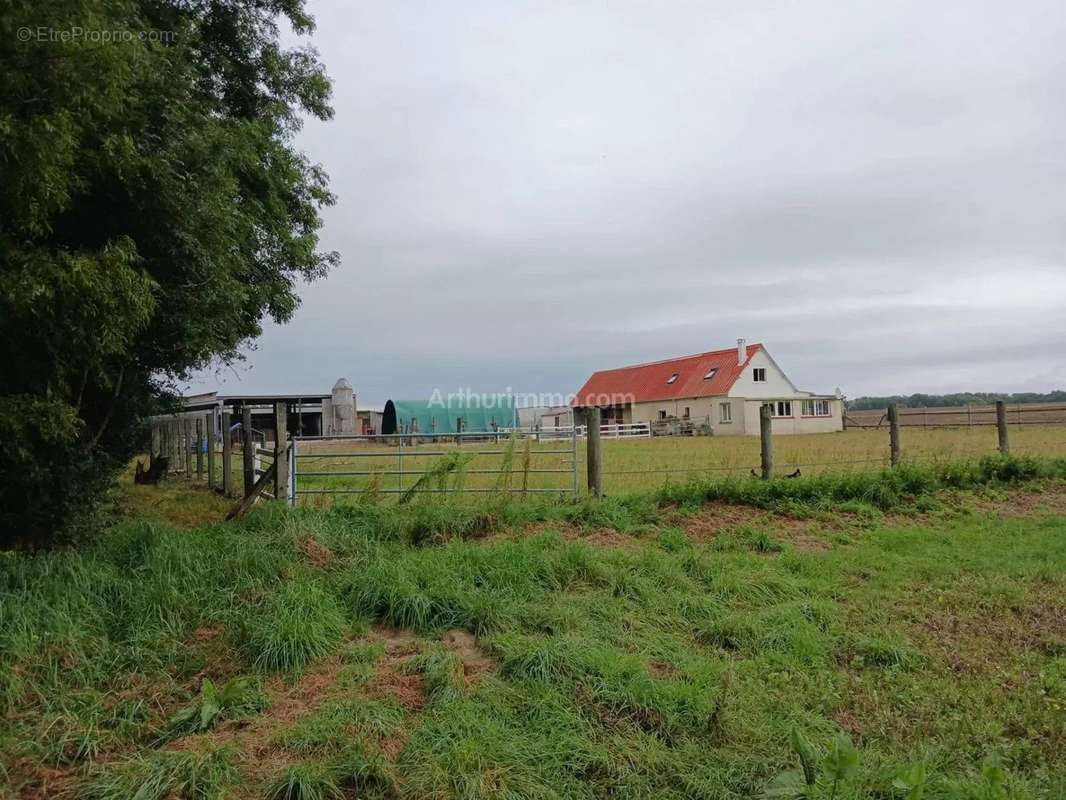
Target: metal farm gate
515,462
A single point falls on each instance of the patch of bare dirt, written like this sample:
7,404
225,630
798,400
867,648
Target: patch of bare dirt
390,680
221,661
848,721
597,537
716,519
475,661
316,553
1028,502
1010,503
984,644
289,703
37,781
205,634
397,642
662,669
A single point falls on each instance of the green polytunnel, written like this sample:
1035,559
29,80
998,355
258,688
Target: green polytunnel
442,415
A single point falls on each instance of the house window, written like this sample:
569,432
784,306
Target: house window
725,412
759,374
672,378
662,414
688,412
710,373
780,408
816,408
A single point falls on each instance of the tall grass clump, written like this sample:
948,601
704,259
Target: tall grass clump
436,477
442,673
162,774
503,479
351,773
301,622
309,781
465,585
123,603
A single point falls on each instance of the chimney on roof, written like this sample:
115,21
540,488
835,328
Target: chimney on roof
742,352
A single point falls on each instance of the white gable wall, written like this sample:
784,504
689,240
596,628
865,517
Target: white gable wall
776,385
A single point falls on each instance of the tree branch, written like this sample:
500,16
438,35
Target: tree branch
110,409
81,389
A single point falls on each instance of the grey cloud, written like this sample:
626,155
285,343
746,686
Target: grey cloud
528,192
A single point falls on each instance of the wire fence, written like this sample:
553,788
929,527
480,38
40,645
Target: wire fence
627,467
555,462
961,416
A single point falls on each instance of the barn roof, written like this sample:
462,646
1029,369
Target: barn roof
650,382
440,417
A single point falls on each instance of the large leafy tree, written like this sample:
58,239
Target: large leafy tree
153,211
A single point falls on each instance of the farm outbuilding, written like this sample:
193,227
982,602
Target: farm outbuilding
473,414
719,392
332,413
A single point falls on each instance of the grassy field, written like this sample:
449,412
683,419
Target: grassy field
899,637
643,464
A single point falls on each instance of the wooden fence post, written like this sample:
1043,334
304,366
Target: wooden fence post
893,434
594,452
181,452
199,449
187,425
175,444
227,455
249,449
172,450
163,441
157,447
766,430
281,450
1001,424
175,451
209,423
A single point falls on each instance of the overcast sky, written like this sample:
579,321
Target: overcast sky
528,192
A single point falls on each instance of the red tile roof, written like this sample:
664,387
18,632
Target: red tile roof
645,383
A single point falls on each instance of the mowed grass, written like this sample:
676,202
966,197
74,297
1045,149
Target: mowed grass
648,646
640,464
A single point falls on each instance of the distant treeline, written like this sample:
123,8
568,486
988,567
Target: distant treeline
961,399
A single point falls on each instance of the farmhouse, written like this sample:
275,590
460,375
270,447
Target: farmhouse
719,392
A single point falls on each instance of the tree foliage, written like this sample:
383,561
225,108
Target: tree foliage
953,400
153,211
